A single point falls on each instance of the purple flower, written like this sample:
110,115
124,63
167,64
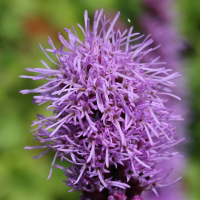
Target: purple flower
109,115
160,21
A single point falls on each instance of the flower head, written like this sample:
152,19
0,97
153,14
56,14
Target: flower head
109,115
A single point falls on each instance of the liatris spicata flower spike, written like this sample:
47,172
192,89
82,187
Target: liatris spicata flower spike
109,115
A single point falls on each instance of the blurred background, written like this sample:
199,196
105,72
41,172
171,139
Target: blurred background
25,23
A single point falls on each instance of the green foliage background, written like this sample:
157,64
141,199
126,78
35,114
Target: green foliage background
24,24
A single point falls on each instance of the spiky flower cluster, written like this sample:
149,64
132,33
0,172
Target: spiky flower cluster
109,117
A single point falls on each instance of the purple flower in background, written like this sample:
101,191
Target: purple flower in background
109,115
160,20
